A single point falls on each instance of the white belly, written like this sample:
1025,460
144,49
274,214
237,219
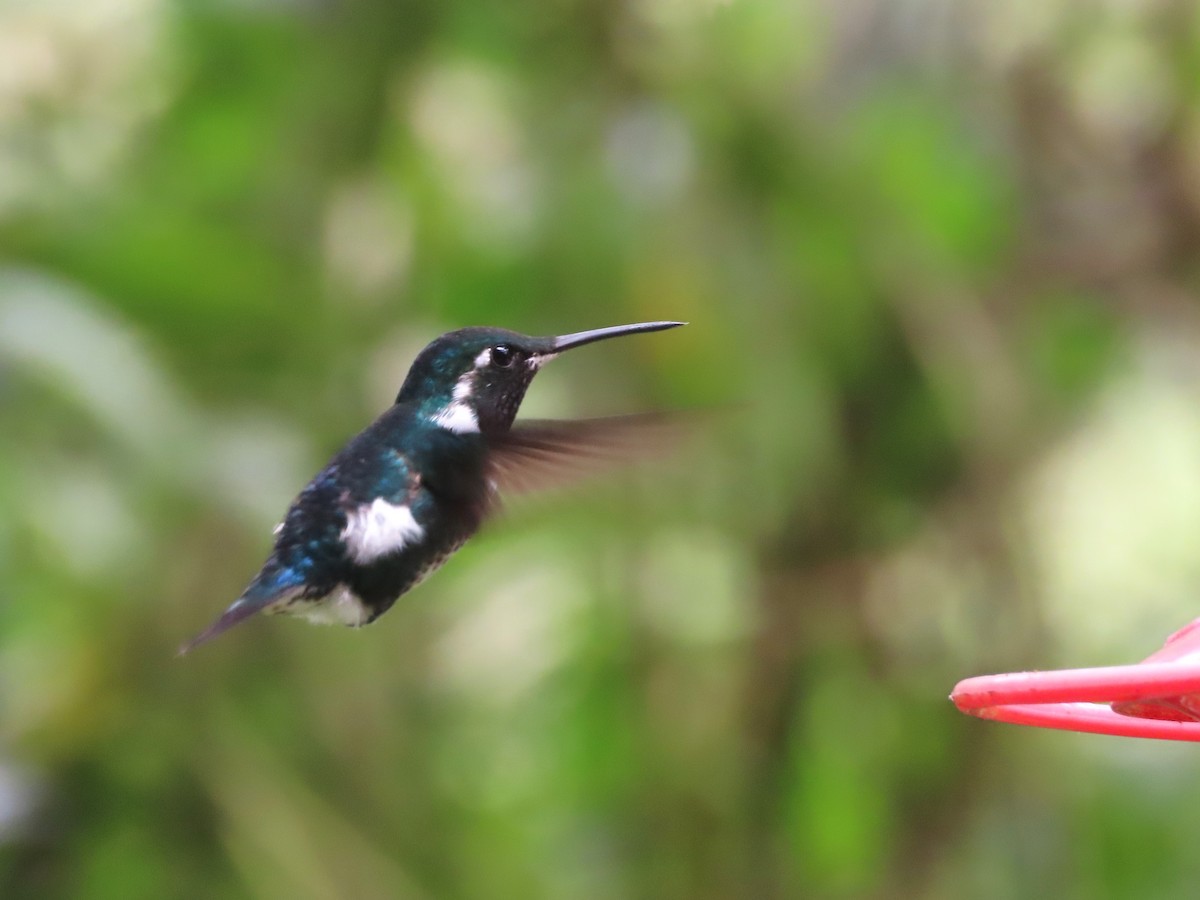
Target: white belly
340,607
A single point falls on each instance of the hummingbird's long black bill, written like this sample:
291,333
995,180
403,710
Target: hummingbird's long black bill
579,338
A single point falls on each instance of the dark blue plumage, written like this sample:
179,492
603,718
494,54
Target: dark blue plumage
412,487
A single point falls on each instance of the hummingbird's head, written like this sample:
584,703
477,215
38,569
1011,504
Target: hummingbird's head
474,379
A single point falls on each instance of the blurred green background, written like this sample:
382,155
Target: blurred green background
940,264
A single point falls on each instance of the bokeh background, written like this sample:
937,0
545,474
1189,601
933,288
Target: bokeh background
940,264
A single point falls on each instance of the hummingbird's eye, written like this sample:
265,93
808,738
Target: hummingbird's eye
503,356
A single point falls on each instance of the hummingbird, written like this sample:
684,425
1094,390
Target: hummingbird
396,501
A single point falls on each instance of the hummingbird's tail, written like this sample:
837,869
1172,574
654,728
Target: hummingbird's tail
271,586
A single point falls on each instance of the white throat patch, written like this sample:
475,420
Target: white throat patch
458,416
379,529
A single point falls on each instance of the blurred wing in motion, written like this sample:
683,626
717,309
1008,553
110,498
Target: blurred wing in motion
541,454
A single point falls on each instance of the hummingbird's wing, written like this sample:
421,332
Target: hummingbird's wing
539,454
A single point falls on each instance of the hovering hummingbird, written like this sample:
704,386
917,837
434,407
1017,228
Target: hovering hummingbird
410,489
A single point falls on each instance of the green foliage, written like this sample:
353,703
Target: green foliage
939,269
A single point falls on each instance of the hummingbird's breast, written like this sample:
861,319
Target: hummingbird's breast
386,511
441,505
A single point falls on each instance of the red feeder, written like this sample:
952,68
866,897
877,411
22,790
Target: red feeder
1156,698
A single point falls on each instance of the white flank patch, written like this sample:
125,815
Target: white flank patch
379,529
342,607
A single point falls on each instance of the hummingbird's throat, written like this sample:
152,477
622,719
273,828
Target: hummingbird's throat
497,394
459,414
